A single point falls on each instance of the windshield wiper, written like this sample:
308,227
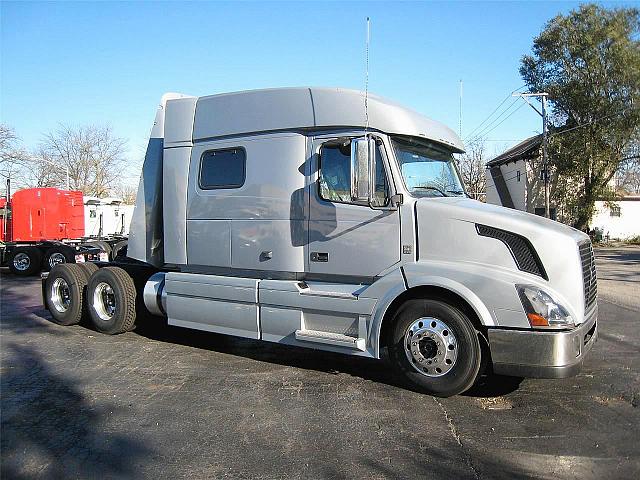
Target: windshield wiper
425,187
457,192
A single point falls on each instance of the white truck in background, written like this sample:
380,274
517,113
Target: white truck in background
104,217
275,215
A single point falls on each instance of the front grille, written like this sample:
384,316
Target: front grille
589,279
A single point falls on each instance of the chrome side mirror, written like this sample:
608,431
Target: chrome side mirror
362,169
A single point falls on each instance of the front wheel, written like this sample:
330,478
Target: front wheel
435,347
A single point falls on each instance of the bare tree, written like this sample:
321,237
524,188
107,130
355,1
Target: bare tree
94,157
12,156
127,193
472,169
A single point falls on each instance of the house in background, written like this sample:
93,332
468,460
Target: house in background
514,181
513,178
619,220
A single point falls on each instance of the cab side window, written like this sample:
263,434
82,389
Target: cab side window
335,185
381,192
335,162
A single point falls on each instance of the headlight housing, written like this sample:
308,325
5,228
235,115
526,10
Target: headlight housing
542,310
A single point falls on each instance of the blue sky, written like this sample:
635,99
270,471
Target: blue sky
110,62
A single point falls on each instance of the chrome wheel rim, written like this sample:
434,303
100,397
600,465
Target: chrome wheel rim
431,347
56,259
22,262
104,301
60,295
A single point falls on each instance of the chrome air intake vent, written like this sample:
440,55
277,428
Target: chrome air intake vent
522,251
588,274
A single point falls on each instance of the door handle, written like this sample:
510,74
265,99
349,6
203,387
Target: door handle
319,257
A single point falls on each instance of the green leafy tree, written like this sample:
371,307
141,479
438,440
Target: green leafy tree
589,63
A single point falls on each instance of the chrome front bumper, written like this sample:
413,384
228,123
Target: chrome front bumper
540,354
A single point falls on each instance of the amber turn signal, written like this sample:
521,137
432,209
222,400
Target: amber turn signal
537,320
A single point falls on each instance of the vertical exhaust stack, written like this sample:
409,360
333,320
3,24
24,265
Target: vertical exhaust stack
146,231
7,205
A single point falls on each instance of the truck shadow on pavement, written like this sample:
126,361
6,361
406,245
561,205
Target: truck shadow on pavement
322,361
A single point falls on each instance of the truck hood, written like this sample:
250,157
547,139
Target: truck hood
447,230
505,218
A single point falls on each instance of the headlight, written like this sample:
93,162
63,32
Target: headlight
542,310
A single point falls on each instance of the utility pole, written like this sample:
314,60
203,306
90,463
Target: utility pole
545,158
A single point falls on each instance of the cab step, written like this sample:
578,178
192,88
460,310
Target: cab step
337,339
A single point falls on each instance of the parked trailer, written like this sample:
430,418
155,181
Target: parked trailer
42,227
275,215
105,217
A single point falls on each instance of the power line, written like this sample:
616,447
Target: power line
490,115
494,111
493,127
554,134
488,128
595,120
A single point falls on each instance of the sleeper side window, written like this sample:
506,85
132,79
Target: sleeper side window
223,168
334,182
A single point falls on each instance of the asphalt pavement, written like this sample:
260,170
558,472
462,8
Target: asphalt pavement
163,402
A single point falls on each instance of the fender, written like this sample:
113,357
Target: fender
392,285
458,288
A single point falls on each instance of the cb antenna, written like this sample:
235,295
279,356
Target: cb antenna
366,79
460,112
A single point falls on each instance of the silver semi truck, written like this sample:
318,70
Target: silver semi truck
292,216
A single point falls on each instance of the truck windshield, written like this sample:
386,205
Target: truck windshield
428,170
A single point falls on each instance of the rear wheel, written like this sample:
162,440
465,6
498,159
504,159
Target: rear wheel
435,347
88,268
57,255
25,261
65,288
111,296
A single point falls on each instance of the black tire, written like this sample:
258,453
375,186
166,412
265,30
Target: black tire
88,268
111,300
57,255
104,246
25,261
448,336
65,292
119,247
